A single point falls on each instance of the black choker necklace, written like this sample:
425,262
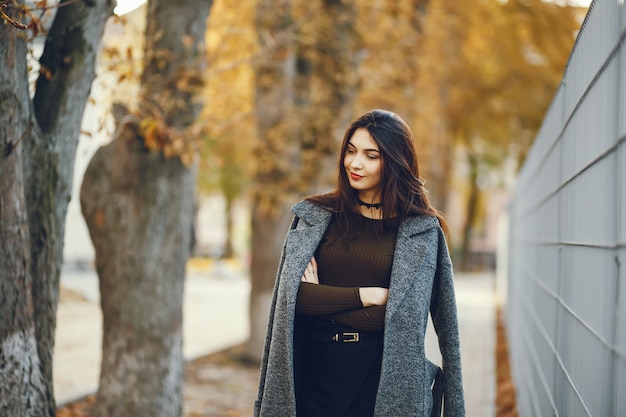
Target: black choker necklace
369,206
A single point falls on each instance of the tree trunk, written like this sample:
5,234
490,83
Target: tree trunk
439,163
38,149
268,235
22,386
228,250
324,88
302,91
138,201
139,209
274,74
470,214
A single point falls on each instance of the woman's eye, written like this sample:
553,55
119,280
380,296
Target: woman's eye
370,156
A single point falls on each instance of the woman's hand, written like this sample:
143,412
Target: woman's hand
373,296
310,273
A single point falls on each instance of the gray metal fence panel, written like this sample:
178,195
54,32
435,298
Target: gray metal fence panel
620,333
566,303
620,340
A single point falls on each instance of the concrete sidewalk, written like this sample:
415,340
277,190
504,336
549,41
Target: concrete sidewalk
215,317
477,324
221,291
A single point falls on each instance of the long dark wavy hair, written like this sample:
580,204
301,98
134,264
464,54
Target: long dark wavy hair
402,193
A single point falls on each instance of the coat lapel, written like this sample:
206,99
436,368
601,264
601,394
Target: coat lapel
302,242
408,257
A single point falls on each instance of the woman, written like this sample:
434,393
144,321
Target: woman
360,270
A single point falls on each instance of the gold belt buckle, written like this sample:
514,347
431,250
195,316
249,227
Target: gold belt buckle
354,337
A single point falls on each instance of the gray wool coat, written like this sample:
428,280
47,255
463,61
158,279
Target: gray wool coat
421,281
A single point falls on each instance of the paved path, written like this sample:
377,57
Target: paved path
222,292
209,299
476,310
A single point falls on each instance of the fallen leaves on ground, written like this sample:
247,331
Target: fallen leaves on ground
222,384
506,404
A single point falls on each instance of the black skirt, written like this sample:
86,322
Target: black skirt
336,369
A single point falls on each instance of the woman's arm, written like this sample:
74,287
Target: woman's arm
322,300
344,304
315,299
368,319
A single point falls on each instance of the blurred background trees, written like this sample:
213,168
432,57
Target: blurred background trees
499,83
472,80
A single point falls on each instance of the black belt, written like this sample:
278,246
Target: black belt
347,337
323,329
342,337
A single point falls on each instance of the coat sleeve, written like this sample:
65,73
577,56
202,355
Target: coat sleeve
445,321
270,325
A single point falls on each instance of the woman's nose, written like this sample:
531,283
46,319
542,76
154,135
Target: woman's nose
357,162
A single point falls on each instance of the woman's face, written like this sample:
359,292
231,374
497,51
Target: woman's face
363,165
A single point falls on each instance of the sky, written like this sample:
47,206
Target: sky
581,3
125,6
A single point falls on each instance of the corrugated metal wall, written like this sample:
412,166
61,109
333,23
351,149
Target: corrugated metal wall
566,303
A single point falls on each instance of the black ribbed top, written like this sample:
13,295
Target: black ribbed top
363,258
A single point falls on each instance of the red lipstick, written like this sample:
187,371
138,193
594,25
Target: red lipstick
355,176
